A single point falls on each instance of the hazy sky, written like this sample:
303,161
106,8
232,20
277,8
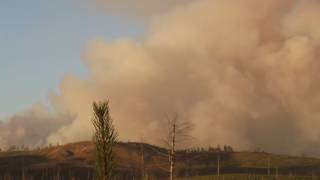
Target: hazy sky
42,40
243,72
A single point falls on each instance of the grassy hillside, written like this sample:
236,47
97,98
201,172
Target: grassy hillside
251,177
77,160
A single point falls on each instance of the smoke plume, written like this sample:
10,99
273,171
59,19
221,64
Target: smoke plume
244,72
30,128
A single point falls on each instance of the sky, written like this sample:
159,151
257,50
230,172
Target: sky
43,40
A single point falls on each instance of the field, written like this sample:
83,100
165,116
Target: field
251,177
77,160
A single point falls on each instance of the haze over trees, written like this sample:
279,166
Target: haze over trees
144,161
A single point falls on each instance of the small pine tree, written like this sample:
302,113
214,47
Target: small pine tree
105,138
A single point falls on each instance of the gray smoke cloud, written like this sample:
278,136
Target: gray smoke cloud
30,128
244,72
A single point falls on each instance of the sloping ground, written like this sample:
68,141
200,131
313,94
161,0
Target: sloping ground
77,160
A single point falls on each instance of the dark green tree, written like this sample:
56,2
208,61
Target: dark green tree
105,139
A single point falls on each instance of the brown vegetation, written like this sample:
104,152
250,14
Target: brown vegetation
77,161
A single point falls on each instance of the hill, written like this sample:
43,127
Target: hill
77,160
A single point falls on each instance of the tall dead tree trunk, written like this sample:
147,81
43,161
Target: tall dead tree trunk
172,152
142,164
178,133
269,173
218,165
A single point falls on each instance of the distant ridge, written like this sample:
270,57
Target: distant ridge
77,159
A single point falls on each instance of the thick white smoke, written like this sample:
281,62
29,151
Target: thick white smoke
245,72
30,128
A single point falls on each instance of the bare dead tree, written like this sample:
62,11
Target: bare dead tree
179,133
142,161
269,172
218,165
